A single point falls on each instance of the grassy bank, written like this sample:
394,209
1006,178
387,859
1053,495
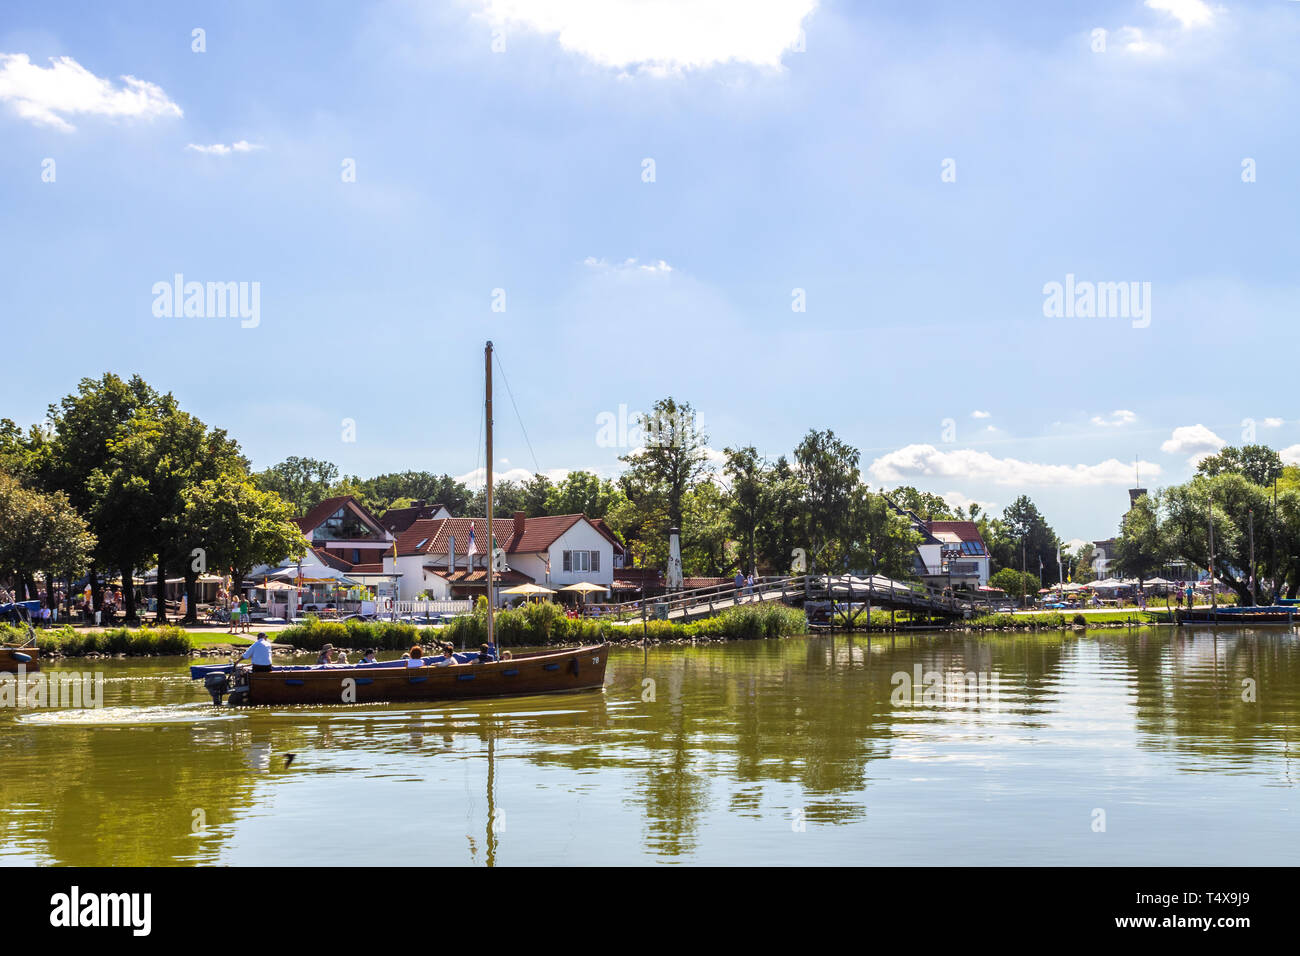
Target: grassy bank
539,625
138,642
1056,620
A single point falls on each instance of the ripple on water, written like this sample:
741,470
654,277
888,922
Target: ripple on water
129,716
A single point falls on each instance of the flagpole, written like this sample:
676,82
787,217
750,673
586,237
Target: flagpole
487,415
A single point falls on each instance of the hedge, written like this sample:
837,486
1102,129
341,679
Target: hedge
69,642
540,624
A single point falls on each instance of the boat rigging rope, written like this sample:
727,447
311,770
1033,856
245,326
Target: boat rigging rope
537,469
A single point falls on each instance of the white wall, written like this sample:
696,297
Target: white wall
581,537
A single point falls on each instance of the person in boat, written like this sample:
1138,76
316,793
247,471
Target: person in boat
448,656
259,652
369,657
326,655
486,654
341,656
416,656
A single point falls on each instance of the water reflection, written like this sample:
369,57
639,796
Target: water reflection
930,748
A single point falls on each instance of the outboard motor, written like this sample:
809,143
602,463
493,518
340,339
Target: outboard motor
217,684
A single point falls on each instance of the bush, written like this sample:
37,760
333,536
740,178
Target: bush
382,635
68,642
540,624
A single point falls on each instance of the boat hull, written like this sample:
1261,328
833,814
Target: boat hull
1248,617
547,673
11,658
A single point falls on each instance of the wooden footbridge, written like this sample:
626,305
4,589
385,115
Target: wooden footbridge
845,592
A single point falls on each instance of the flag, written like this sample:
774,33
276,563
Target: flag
473,548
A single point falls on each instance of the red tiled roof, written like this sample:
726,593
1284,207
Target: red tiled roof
599,525
479,576
429,535
540,533
964,530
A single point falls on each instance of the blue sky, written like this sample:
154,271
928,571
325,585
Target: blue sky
501,145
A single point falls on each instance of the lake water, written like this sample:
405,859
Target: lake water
1146,746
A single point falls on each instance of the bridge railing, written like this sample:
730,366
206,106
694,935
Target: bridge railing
781,587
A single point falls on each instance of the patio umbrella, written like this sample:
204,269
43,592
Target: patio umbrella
528,590
583,588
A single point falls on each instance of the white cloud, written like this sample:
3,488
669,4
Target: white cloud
475,479
664,36
1133,40
1190,13
627,265
1290,455
1195,441
959,500
978,414
45,95
1121,416
926,461
1272,422
1073,545
220,149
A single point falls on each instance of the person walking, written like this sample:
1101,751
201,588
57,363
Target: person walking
740,586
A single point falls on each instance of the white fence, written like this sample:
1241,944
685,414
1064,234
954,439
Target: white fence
428,608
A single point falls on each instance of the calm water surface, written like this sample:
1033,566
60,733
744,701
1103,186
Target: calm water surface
811,750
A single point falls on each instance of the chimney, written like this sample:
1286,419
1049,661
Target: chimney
519,525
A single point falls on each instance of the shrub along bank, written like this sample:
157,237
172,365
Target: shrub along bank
69,642
541,624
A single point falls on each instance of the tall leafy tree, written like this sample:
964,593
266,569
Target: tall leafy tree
85,425
303,482
1141,549
672,461
229,524
747,500
1258,464
40,532
828,471
1026,527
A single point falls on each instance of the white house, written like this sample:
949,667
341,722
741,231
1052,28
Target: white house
433,555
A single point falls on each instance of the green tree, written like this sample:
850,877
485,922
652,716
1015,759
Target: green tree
1141,549
84,425
40,532
672,460
303,482
1025,526
746,500
882,541
783,529
927,506
828,471
581,492
229,524
1258,464
1016,585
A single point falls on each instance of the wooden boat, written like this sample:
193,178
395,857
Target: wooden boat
1232,616
547,672
13,657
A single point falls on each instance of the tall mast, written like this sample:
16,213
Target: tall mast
487,414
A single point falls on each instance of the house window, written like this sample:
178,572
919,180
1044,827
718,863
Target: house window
582,560
342,525
356,555
595,561
568,560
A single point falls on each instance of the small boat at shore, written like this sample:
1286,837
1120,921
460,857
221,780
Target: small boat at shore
1274,616
13,657
545,672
